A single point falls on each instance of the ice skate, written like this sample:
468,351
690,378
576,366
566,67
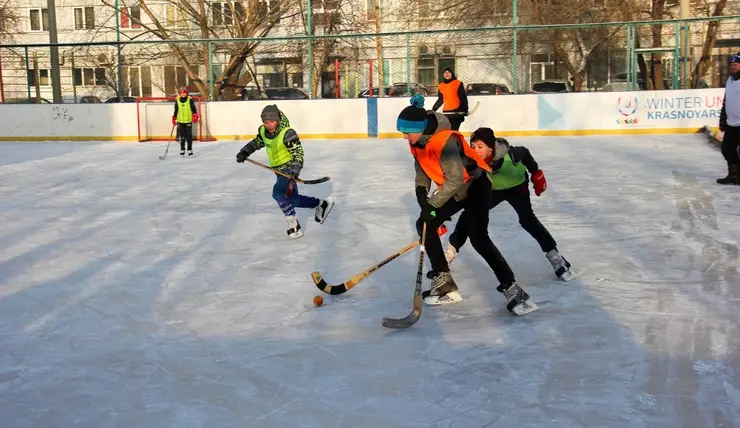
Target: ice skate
733,175
517,300
560,265
450,254
294,228
444,290
322,211
190,153
182,153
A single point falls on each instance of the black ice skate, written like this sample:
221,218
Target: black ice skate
182,152
560,265
733,174
294,228
444,290
322,211
517,300
190,153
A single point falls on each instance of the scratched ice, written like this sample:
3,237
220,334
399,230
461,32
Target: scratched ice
136,292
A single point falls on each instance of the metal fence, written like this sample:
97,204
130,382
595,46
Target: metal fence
489,61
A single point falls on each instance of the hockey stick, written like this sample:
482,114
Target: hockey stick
297,180
343,287
169,140
469,113
415,314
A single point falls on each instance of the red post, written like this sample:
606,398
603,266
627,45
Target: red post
371,78
2,88
336,78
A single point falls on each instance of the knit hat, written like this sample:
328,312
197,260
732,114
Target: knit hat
485,135
413,119
271,112
734,58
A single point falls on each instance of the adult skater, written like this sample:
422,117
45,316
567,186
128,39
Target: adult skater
285,154
509,178
443,156
185,115
454,98
729,123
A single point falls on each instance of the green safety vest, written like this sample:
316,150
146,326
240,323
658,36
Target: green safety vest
509,175
277,153
184,113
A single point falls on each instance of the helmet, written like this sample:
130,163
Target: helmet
734,58
183,89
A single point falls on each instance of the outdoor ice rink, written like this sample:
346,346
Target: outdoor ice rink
136,292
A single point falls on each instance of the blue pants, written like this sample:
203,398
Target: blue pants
287,197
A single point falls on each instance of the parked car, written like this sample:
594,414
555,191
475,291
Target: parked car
286,93
404,89
486,89
249,93
365,92
33,100
89,99
550,86
121,100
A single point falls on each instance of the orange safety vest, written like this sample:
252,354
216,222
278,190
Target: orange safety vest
449,94
430,156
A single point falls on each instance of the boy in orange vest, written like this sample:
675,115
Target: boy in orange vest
444,157
452,94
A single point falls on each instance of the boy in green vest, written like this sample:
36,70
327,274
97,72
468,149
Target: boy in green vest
285,154
185,115
509,178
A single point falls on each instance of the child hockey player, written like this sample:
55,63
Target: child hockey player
285,154
185,115
454,98
442,156
509,166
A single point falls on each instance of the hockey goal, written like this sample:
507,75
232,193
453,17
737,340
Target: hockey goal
154,119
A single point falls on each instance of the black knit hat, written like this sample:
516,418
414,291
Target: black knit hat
271,112
413,119
484,134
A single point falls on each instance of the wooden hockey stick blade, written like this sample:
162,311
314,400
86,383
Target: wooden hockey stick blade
297,180
475,107
415,313
322,285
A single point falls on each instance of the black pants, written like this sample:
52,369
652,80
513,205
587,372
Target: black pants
730,144
475,210
185,133
518,198
456,120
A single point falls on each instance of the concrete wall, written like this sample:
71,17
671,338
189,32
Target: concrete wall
532,114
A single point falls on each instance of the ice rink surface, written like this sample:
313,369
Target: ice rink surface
136,292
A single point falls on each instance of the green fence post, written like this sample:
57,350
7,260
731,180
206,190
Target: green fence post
210,71
408,57
676,56
515,62
309,32
28,74
119,65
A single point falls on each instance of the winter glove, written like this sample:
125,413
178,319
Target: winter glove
421,195
540,184
428,213
174,121
723,125
195,117
244,153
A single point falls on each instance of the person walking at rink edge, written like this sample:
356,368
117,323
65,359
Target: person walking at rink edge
729,123
452,94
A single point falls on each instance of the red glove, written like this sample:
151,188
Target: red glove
195,117
174,121
441,230
540,184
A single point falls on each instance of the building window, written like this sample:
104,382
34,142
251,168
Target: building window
175,17
84,18
44,77
175,78
88,76
131,17
138,81
39,19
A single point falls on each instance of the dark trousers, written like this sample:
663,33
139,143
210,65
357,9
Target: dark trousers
730,144
455,120
518,198
285,193
185,133
475,223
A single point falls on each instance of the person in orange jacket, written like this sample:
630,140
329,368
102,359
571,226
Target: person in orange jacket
454,98
441,155
185,115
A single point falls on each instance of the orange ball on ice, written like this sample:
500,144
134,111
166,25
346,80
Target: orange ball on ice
318,300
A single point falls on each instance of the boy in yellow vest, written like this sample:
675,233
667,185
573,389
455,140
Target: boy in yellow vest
509,182
185,115
285,154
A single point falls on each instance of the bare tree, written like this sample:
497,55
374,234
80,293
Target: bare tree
710,38
179,20
9,20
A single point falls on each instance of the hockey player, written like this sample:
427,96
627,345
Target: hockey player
442,156
285,154
509,181
729,123
185,115
454,98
